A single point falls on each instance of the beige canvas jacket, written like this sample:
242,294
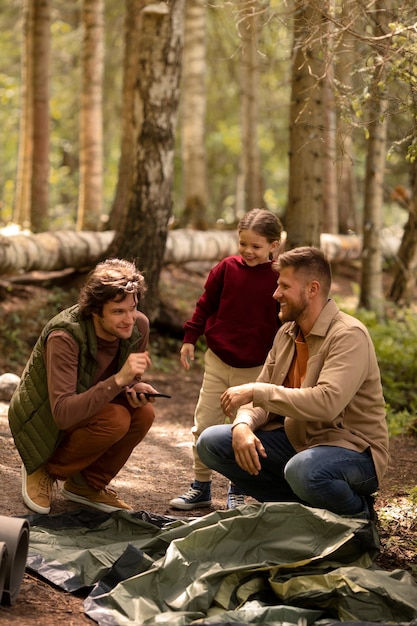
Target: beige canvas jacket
341,400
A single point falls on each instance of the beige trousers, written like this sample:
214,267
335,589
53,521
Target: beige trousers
217,378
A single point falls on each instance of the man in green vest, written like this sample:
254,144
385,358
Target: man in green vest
80,408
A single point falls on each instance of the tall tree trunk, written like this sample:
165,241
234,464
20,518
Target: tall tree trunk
330,196
250,162
402,290
142,234
128,143
21,212
91,117
330,202
371,294
305,202
193,116
40,161
347,187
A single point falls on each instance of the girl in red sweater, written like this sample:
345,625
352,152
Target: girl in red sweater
239,319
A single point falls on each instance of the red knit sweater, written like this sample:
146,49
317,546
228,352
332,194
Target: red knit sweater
236,312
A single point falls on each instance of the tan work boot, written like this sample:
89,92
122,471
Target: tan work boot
102,499
37,490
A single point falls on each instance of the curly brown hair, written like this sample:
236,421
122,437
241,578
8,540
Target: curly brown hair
112,279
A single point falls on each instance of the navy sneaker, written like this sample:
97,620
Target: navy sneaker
198,495
235,497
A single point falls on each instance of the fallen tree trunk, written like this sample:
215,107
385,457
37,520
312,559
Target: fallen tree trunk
59,250
55,251
52,251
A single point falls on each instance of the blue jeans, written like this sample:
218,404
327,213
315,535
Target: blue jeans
325,477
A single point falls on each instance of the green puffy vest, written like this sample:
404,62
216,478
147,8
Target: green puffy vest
34,430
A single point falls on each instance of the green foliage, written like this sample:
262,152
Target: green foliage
413,495
395,343
23,324
25,314
223,138
223,141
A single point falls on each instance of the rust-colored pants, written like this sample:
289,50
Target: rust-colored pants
99,446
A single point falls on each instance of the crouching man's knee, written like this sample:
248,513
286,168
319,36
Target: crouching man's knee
214,444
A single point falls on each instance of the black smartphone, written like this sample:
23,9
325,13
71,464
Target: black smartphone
155,395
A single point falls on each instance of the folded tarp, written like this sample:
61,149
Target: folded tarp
273,563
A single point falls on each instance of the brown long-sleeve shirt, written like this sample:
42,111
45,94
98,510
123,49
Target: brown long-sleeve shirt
61,357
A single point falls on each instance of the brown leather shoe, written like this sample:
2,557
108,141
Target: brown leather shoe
102,499
37,490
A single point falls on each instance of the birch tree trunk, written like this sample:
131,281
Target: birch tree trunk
143,233
193,116
55,251
91,117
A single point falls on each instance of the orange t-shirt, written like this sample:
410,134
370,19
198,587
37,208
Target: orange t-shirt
297,371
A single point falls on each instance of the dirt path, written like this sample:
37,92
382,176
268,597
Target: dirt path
160,469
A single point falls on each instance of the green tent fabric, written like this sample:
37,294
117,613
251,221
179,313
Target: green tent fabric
296,562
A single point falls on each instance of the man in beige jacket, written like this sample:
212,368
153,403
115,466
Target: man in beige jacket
312,427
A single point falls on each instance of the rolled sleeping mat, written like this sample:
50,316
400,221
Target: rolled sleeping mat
3,565
14,532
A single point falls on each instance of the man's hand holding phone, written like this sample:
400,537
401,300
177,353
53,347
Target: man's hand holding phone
142,393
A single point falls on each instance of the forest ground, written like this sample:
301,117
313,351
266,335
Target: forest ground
160,468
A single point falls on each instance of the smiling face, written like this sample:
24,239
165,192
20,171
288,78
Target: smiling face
292,294
255,249
117,319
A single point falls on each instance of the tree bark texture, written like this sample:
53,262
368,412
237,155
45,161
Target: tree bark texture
305,195
251,170
55,251
405,271
193,116
330,212
371,295
404,278
142,234
90,198
347,56
39,201
128,141
24,160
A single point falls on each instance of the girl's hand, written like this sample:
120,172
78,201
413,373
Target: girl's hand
187,355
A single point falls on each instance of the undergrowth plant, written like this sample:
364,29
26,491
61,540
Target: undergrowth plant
395,341
22,325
